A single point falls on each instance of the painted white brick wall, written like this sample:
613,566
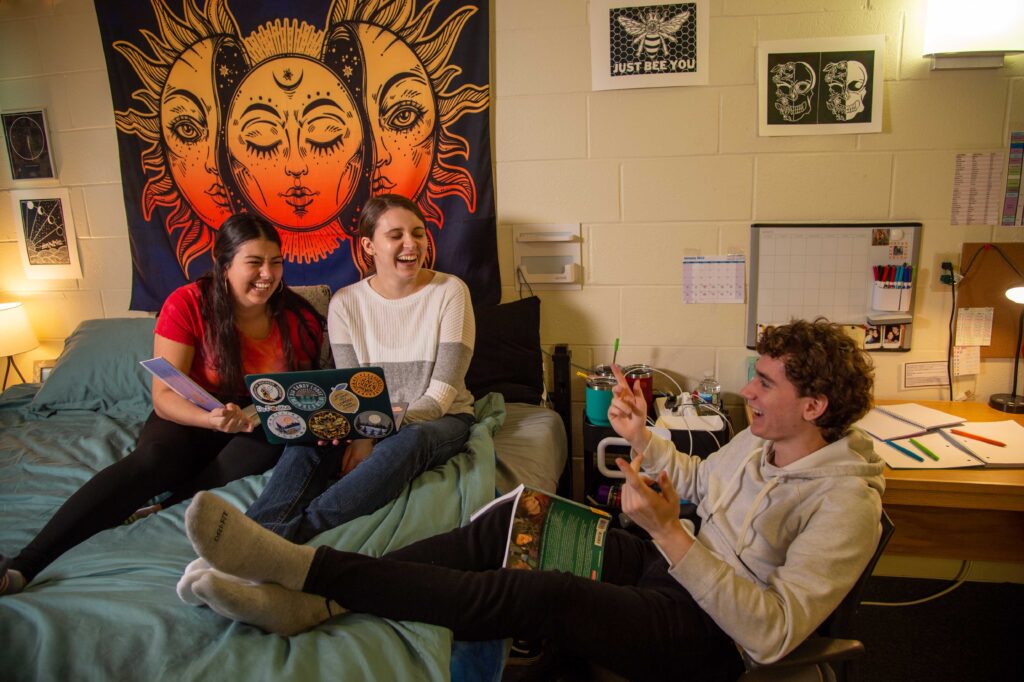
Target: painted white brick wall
652,175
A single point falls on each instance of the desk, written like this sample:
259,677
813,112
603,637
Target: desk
957,513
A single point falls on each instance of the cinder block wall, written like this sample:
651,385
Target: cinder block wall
657,174
652,175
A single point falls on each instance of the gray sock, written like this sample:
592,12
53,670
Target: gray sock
235,544
270,607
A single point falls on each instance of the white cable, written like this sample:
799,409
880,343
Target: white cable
959,579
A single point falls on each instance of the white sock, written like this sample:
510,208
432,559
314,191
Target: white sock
233,543
270,607
193,572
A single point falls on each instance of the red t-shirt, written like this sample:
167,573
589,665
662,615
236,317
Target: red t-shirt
181,320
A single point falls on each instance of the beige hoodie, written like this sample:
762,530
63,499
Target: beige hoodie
778,548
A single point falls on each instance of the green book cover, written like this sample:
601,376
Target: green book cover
551,533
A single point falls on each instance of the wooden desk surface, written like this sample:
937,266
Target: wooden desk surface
980,488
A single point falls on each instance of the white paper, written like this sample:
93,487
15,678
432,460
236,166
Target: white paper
950,456
974,326
1009,432
920,415
977,189
713,279
966,360
919,374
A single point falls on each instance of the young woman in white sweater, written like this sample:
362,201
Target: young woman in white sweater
790,512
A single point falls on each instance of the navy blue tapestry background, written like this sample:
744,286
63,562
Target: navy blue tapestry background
299,111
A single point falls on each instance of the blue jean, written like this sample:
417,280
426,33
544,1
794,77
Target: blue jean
303,499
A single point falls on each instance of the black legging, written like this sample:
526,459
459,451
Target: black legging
168,457
638,622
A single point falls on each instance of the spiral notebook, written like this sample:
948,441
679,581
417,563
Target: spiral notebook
904,420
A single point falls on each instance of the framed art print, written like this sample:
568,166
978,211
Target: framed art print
28,145
820,86
648,44
46,233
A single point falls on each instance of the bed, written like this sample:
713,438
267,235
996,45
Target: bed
107,609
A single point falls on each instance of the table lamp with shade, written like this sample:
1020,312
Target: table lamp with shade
1011,402
16,336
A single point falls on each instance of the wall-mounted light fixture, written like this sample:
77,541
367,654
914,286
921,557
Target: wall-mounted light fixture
973,34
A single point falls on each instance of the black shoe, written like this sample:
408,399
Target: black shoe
525,652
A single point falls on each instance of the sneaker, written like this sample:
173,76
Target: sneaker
525,651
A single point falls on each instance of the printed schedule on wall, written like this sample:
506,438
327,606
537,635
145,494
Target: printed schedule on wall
856,274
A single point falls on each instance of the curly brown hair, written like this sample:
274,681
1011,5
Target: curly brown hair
820,359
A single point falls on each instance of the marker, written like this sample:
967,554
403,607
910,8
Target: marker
583,375
615,352
977,437
906,452
922,448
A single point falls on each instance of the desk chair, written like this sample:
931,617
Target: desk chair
826,653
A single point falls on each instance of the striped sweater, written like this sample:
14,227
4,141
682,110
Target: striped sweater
423,342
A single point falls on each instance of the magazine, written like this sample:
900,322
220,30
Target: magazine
551,533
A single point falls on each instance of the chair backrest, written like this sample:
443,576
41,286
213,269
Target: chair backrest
840,623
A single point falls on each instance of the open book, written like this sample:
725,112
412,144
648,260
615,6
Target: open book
551,533
887,422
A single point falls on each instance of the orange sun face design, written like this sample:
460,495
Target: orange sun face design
296,123
402,113
294,139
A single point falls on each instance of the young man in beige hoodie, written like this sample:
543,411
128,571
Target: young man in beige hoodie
789,513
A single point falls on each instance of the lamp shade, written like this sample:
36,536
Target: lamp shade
977,26
16,335
1015,294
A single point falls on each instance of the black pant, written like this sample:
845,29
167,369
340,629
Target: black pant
168,457
638,622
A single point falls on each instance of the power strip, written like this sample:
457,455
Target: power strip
684,416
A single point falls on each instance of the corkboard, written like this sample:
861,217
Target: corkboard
985,285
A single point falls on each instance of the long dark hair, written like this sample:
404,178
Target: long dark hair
222,342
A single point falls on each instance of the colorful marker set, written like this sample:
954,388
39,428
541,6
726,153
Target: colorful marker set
892,287
894,276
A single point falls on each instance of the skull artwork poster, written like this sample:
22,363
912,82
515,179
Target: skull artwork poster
298,114
808,91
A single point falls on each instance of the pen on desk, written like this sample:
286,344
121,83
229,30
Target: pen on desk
922,448
977,437
906,452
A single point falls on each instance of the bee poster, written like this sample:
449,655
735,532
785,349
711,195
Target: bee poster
823,86
46,235
644,45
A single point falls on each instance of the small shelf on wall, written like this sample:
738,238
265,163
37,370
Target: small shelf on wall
549,255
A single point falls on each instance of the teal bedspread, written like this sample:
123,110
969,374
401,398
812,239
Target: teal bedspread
107,609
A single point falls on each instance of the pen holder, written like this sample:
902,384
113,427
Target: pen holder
892,296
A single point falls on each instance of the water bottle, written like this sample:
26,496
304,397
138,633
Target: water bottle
710,393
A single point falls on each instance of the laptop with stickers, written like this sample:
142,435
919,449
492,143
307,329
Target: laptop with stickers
324,404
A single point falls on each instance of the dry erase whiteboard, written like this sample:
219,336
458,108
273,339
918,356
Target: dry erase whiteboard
806,270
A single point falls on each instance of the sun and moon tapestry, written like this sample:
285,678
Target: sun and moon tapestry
299,111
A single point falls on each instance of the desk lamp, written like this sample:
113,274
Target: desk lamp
1011,402
16,336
